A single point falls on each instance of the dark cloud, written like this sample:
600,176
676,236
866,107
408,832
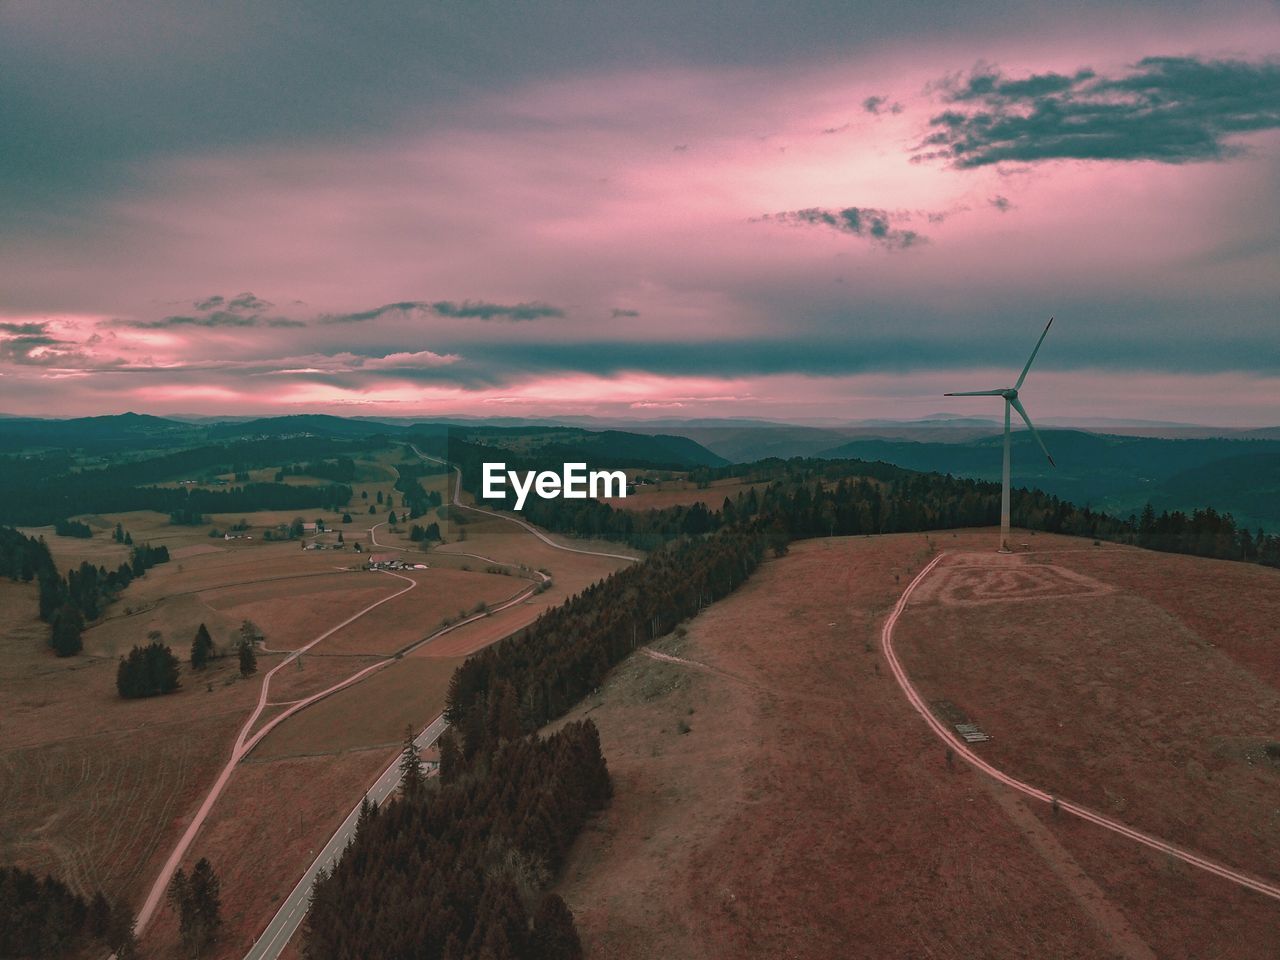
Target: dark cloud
878,105
1003,204
242,310
496,311
218,318
618,313
35,349
468,309
1166,109
875,225
24,329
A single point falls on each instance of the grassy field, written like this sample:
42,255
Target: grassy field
286,807
371,713
96,790
92,788
1115,700
776,796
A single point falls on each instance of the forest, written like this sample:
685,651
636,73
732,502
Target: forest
456,866
40,917
39,490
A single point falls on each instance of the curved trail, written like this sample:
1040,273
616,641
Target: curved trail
962,749
457,502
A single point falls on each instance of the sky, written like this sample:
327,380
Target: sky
791,211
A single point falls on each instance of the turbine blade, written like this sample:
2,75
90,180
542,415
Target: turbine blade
1023,413
1018,385
977,393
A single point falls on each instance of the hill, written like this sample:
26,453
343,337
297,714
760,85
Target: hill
775,794
127,431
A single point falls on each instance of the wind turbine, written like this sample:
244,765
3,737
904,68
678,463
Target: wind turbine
1011,400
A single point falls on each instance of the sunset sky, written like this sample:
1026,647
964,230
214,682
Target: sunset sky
790,211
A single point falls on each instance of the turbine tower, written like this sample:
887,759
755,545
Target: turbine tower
1011,401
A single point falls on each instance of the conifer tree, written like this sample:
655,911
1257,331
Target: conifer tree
554,935
119,937
201,648
412,779
248,659
198,903
67,625
450,757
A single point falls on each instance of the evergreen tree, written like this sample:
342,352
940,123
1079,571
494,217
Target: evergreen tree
98,919
67,625
147,671
119,937
201,648
412,779
554,935
198,903
450,757
248,659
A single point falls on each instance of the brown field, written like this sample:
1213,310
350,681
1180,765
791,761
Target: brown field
81,770
290,610
1119,703
84,776
70,552
287,806
809,812
371,713
672,493
441,592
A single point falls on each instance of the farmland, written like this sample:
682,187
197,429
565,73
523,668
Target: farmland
96,789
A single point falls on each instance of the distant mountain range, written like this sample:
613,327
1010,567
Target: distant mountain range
1174,466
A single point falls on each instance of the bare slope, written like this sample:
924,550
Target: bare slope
808,812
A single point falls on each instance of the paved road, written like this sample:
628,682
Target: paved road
294,908
962,749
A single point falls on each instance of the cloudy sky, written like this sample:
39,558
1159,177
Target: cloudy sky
782,210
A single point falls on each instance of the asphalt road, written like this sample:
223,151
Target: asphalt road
294,908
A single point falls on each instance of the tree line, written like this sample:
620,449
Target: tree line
339,470
42,490
41,917
852,497
456,867
68,603
521,683
72,528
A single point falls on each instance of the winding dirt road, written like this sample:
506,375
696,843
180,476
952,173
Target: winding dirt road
963,750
